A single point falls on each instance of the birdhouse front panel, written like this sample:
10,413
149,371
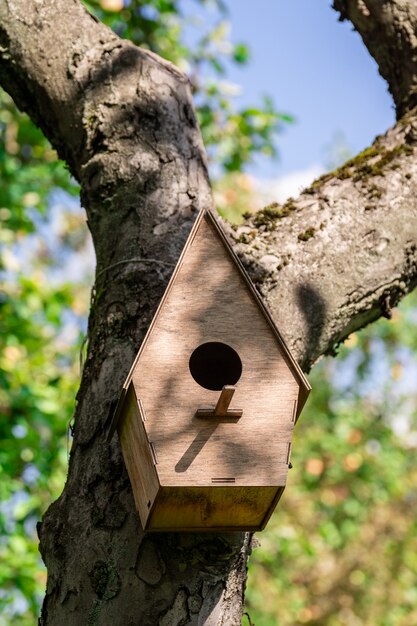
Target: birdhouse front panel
210,304
217,394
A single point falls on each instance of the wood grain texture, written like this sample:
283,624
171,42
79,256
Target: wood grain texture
209,300
222,407
138,456
224,400
205,222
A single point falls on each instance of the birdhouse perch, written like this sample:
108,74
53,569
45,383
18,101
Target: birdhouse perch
206,414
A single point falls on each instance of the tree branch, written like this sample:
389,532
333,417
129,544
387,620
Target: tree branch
41,46
344,252
389,31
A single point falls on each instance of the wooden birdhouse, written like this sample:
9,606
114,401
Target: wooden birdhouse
207,412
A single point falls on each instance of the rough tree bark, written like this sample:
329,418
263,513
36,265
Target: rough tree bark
330,262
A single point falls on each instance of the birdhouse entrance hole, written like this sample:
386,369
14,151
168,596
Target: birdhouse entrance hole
214,365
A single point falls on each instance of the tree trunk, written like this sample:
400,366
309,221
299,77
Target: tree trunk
337,258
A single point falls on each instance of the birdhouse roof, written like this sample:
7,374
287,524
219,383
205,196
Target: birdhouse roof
208,253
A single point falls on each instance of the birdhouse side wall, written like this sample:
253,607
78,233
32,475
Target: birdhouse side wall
138,456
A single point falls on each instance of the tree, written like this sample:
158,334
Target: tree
123,120
44,244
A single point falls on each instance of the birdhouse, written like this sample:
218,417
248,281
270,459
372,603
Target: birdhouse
207,412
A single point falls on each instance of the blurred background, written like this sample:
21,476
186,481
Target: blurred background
284,93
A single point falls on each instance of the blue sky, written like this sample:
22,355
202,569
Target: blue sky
316,69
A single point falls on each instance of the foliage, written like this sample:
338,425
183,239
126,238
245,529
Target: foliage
37,382
341,547
38,369
29,169
234,195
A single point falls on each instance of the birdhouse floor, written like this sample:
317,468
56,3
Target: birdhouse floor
217,508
